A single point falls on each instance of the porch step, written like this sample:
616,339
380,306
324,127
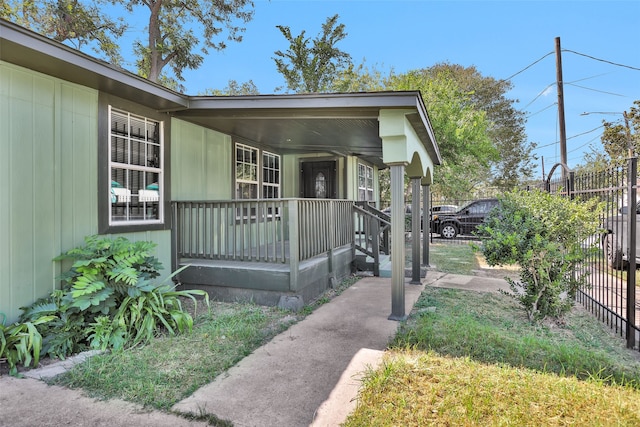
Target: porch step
365,263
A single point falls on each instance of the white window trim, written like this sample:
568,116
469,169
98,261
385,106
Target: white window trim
260,166
366,188
159,171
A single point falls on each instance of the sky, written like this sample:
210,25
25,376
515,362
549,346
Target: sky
500,38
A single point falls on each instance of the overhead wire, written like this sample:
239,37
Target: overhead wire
601,60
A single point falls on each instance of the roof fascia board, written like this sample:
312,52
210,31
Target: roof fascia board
31,50
307,101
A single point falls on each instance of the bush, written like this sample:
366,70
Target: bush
109,299
546,236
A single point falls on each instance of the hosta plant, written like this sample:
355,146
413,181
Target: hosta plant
20,343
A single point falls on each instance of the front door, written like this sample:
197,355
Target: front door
319,180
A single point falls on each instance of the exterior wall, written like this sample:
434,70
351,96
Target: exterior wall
48,182
201,162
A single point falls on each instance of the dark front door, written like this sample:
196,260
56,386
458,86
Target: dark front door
319,180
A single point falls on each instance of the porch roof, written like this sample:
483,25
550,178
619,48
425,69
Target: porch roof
344,124
340,123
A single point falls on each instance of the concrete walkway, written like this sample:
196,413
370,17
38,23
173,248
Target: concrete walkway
307,375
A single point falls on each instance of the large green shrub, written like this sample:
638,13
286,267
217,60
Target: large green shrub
109,299
548,237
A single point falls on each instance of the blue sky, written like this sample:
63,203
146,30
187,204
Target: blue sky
500,38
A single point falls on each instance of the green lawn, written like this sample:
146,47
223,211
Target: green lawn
462,358
472,359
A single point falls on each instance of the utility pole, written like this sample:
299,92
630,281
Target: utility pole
563,134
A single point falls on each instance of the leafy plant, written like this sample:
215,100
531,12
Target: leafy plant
546,235
108,299
139,318
21,343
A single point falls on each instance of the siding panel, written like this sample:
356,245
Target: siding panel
201,163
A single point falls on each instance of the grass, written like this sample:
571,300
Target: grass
472,359
171,368
452,258
462,358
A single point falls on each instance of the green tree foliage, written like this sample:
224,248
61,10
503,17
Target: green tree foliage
234,88
618,138
460,128
180,30
506,124
78,23
545,235
311,66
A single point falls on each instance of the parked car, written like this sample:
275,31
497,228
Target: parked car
407,217
444,208
463,221
615,242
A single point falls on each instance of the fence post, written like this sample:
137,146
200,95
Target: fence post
631,248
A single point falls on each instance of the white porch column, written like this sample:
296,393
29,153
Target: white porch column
397,242
415,230
426,232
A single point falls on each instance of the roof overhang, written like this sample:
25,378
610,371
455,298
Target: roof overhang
343,124
30,50
340,123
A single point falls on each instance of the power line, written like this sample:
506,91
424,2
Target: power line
527,67
539,95
540,111
601,60
571,137
596,90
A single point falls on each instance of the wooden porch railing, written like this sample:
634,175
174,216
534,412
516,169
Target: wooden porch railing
271,230
372,232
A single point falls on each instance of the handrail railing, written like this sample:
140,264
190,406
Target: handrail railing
272,230
369,232
384,223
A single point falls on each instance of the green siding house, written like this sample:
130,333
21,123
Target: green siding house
263,197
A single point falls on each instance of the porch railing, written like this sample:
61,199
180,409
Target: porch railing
372,232
272,230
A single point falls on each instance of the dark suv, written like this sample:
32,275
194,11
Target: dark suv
464,221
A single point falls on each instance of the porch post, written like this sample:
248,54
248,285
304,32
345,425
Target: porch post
426,227
294,244
415,231
397,242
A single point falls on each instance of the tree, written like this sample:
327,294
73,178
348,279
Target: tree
80,24
460,128
234,89
172,39
619,139
506,124
313,68
178,30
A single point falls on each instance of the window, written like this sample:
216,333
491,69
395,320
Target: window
365,182
249,183
136,169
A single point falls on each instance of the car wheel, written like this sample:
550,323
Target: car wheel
613,253
448,231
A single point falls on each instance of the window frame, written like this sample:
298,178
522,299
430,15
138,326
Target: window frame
260,170
369,192
107,104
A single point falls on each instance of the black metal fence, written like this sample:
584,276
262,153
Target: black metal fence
611,270
611,294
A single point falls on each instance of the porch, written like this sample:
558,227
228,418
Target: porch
263,250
